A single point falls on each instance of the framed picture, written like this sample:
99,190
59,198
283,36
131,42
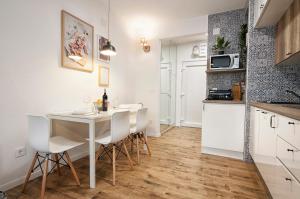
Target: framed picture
101,41
103,76
77,43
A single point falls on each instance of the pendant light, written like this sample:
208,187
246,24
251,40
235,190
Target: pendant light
108,49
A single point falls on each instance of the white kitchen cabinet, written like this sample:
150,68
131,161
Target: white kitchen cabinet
269,12
289,156
254,131
273,148
289,130
262,135
223,129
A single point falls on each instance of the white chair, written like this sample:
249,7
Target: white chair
39,138
139,131
114,139
132,108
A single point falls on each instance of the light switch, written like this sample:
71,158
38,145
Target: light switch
216,31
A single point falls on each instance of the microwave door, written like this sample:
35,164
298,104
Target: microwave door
221,62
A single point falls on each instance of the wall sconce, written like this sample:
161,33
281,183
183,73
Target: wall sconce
145,45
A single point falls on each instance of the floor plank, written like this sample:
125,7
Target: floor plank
176,169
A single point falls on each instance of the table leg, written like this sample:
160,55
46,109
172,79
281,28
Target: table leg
92,154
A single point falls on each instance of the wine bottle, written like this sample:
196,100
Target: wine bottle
104,101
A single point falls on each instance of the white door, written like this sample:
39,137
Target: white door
193,92
165,93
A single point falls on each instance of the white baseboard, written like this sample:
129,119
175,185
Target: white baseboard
221,152
20,180
191,124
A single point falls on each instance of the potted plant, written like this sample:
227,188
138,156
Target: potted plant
243,44
221,45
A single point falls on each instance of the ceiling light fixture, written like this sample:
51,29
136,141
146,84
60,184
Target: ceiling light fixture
108,49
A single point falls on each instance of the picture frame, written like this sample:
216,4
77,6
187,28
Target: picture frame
104,72
77,43
101,41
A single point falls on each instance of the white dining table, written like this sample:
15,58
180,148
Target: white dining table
91,120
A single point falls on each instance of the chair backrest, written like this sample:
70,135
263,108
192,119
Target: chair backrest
120,126
131,106
39,133
141,120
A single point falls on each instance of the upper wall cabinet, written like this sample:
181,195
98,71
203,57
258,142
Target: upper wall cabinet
268,12
288,35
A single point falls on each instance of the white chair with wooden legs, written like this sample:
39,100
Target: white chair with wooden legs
40,140
132,108
114,139
138,132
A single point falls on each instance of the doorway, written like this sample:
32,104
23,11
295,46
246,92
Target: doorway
193,92
183,67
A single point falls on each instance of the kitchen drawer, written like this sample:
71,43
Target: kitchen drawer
289,156
289,130
286,186
281,184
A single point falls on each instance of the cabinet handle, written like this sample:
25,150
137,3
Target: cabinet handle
288,53
288,179
290,150
262,6
264,112
292,123
271,121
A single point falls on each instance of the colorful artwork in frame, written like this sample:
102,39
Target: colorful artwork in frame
77,43
103,76
101,41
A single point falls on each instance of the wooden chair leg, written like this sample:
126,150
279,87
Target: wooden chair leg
45,173
30,171
57,164
147,144
114,164
128,156
137,149
72,168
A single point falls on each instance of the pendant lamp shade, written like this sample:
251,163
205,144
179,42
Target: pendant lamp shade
108,49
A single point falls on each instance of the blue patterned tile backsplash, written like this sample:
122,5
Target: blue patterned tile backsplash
229,24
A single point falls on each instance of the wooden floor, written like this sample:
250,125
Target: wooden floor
163,127
176,169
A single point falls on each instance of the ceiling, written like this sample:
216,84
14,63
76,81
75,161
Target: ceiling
173,9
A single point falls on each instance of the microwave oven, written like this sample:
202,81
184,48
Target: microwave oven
226,61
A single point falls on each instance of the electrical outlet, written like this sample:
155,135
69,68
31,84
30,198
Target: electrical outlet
20,152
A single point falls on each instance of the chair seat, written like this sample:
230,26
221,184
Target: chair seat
104,138
59,144
133,130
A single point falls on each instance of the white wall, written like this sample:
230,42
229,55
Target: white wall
147,65
32,79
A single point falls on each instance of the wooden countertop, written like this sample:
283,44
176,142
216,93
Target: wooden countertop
288,110
223,102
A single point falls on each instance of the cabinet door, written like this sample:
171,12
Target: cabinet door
267,135
279,42
254,131
296,26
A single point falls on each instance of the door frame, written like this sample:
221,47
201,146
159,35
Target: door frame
169,68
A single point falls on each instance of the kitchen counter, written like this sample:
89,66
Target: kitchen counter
288,110
223,102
